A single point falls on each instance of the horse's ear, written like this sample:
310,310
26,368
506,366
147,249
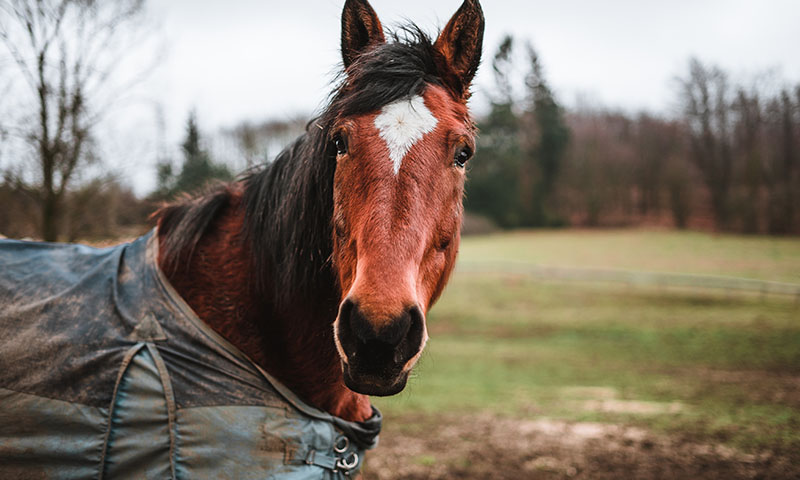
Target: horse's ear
360,29
459,47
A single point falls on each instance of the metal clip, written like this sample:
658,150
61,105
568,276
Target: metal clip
341,445
348,463
310,457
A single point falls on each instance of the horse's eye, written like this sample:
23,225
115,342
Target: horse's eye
340,144
462,155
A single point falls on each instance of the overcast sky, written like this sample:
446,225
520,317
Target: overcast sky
240,60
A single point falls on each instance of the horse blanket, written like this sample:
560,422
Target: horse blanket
105,372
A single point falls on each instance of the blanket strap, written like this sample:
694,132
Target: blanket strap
126,361
170,398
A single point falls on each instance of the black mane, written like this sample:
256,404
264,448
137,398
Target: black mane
288,204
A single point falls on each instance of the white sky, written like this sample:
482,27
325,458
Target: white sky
255,59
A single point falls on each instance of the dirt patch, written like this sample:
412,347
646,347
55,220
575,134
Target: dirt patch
761,386
604,399
631,407
487,446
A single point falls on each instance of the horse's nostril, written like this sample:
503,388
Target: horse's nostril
345,330
416,330
364,331
357,332
396,330
360,326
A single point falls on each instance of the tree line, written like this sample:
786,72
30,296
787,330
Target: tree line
729,161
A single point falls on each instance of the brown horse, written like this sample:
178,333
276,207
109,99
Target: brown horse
322,266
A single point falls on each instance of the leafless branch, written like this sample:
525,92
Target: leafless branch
67,51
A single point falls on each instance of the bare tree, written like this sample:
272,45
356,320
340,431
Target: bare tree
4,94
656,141
68,54
260,142
502,66
706,103
783,166
748,130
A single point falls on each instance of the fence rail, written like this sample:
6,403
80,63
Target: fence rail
631,277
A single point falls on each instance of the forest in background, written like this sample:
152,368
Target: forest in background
730,161
727,160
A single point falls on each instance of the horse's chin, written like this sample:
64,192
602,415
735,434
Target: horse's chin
376,385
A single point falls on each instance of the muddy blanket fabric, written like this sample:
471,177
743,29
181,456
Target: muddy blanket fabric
105,372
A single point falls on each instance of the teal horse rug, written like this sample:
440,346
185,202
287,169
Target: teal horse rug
105,372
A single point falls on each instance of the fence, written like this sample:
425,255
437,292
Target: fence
633,278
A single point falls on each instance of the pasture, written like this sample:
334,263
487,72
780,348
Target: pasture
525,378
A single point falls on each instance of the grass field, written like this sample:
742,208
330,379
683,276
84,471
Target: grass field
703,367
763,258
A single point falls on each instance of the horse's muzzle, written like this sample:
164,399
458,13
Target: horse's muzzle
377,360
377,385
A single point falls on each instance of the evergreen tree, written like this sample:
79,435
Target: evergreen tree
545,140
520,154
198,168
492,187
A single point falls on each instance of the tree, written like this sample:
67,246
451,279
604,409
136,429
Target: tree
197,169
655,140
598,172
521,149
67,53
749,153
545,138
706,104
783,167
4,133
262,141
492,187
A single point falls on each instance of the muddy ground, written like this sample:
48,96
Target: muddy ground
485,446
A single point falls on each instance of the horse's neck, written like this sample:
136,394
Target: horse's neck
295,345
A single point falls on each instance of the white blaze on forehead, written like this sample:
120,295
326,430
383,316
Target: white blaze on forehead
402,124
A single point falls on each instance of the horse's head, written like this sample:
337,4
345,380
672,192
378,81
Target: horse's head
398,187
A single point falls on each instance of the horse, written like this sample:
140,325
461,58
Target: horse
303,287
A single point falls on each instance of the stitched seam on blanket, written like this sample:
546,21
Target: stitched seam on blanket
71,402
122,369
169,396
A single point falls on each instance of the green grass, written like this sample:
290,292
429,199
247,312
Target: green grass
707,366
759,257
